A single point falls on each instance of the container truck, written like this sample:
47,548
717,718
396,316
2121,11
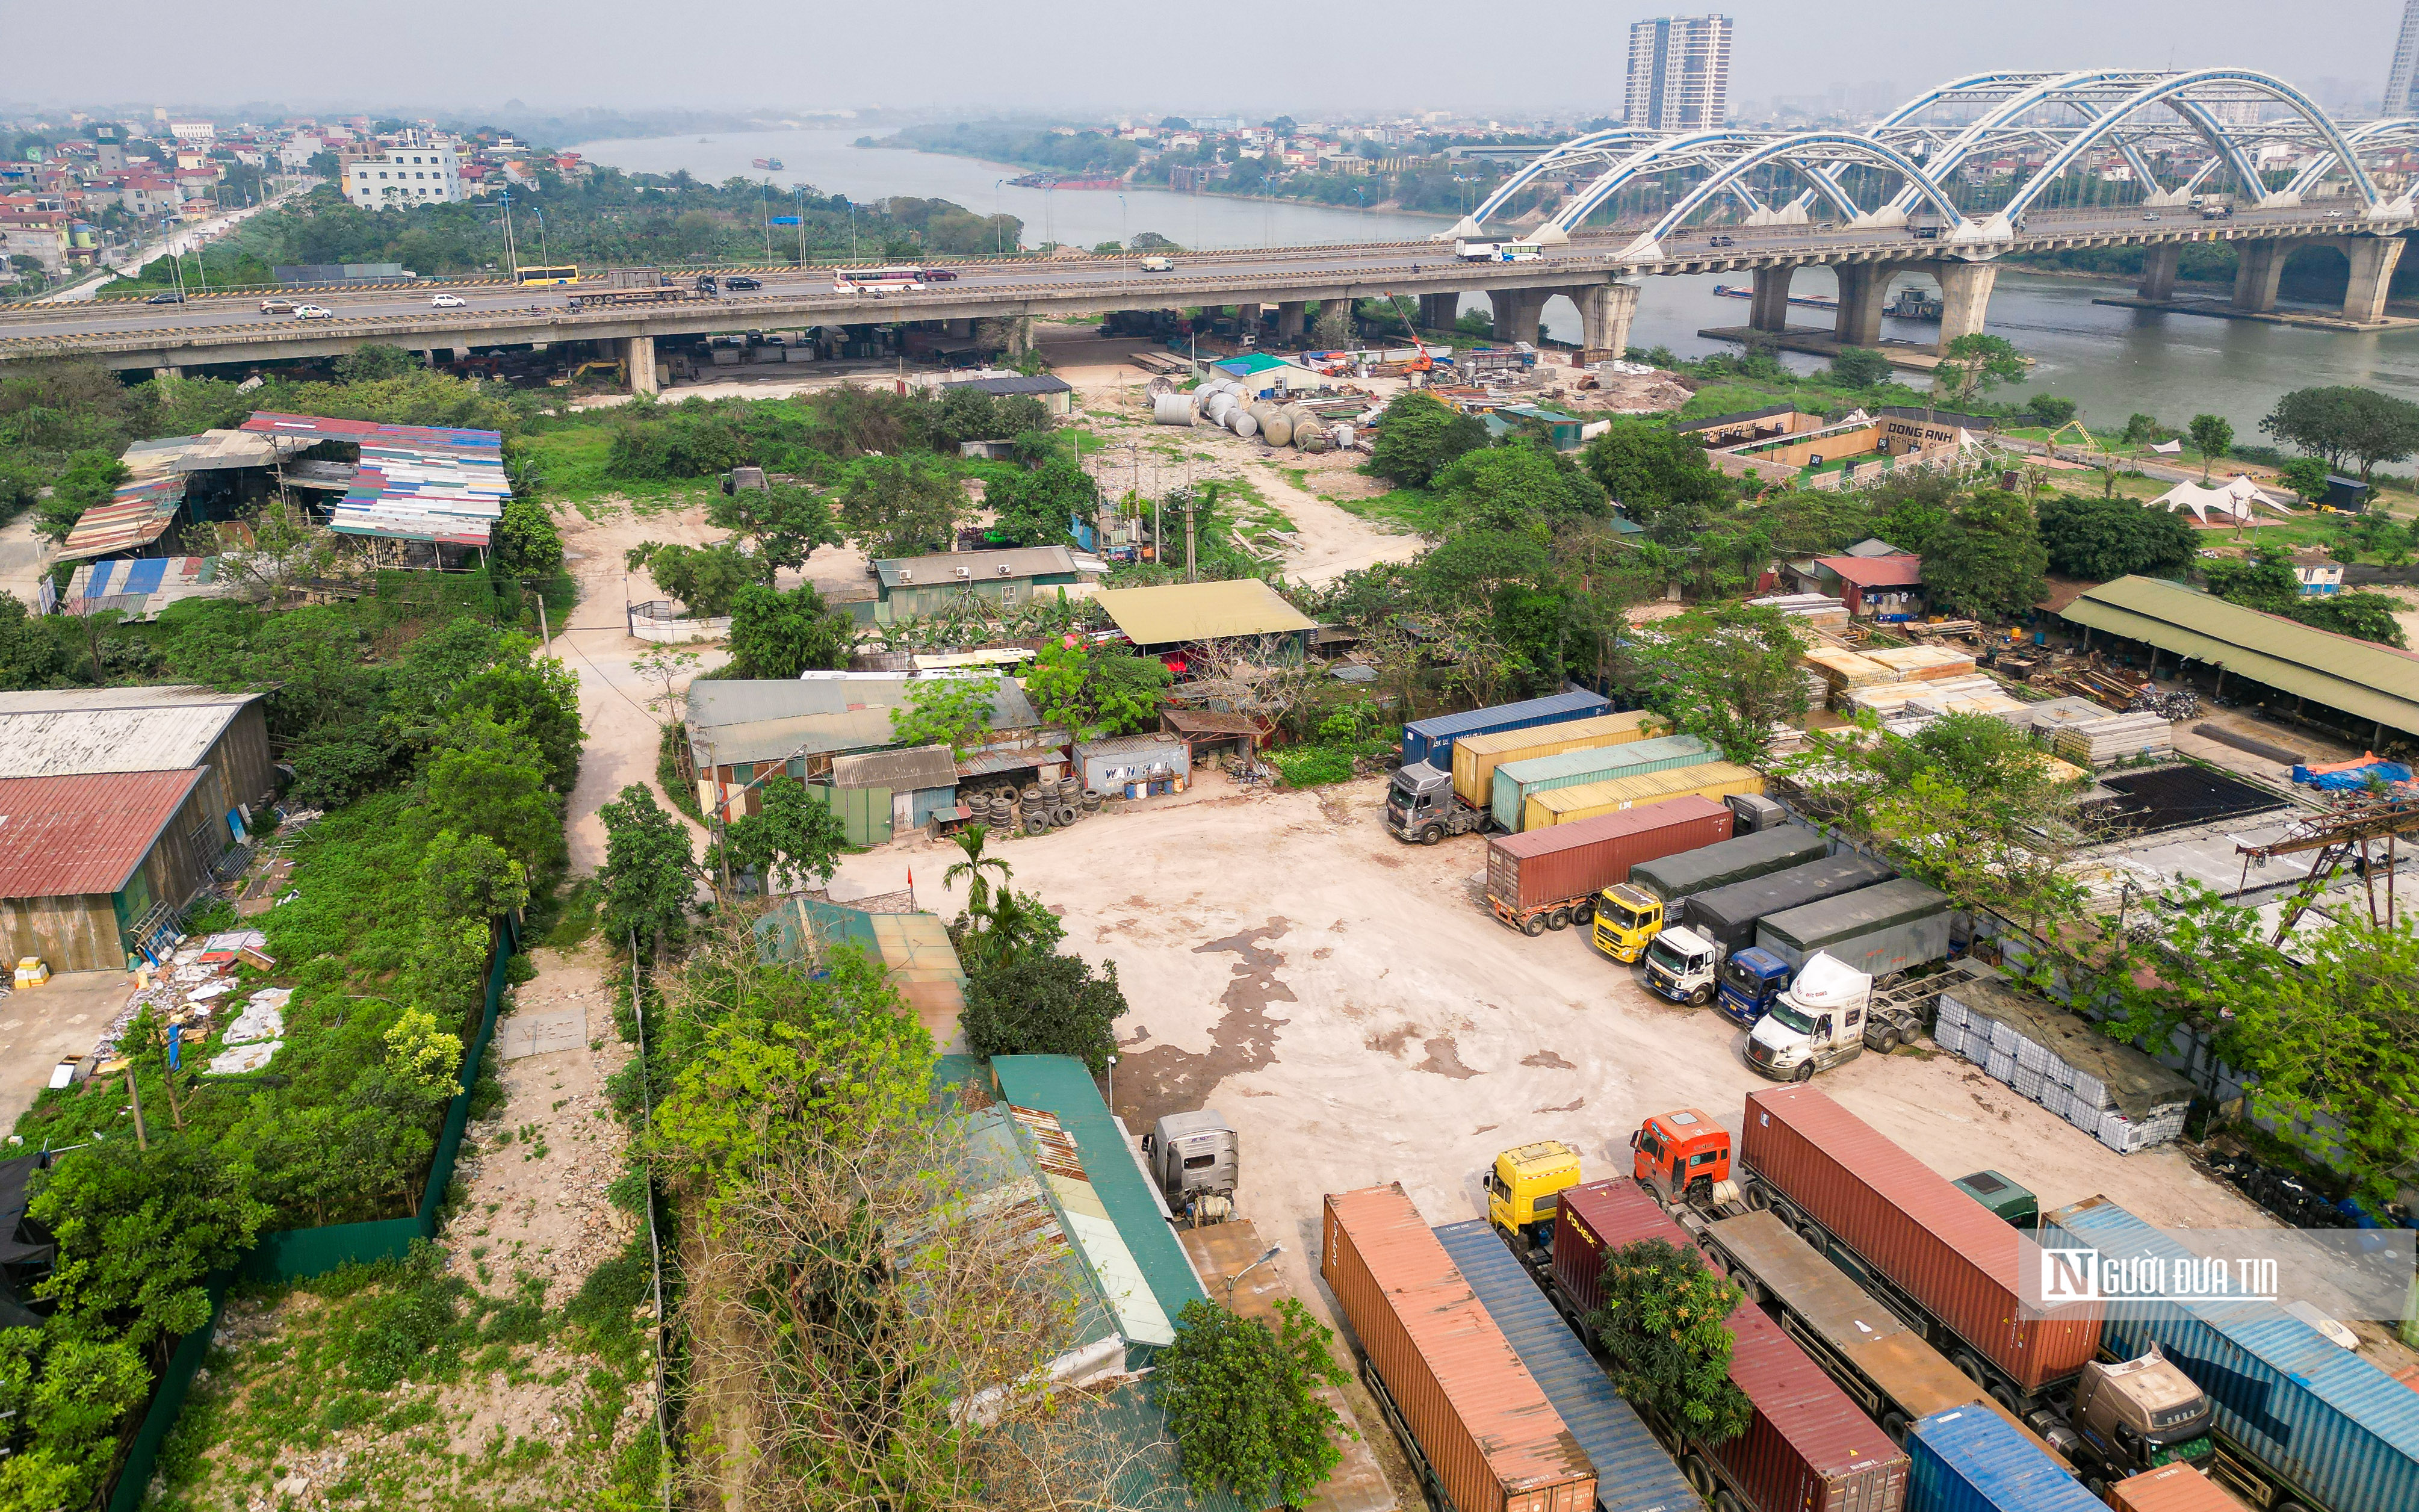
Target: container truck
2298,1422
1926,1250
1563,806
2119,1416
1420,802
1479,1432
1516,782
1880,931
1475,758
1632,1472
1969,1460
1680,963
1624,930
1805,1445
1550,878
1831,1014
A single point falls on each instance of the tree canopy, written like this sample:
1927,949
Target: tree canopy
2343,424
2098,539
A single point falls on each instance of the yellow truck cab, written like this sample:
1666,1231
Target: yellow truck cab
1626,920
1524,1191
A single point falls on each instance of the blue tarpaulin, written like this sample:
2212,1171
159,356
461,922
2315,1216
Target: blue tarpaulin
2352,779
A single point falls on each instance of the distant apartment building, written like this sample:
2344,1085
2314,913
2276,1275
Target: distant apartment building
202,133
1680,73
2402,79
411,169
149,194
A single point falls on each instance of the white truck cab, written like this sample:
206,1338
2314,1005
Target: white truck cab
1679,965
1474,251
1817,1024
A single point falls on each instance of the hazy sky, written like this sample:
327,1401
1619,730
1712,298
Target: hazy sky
1076,54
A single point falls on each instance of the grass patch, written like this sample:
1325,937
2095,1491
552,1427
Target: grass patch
572,464
684,795
1420,510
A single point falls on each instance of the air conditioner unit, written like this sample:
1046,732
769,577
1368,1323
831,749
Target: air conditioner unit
965,572
906,575
1005,570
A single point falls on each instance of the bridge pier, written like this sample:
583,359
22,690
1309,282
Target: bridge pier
1518,313
638,363
2257,267
1438,311
1605,313
1291,316
1864,287
2159,271
1965,298
1769,311
170,371
2372,260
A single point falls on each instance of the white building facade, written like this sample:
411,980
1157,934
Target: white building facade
412,169
1679,73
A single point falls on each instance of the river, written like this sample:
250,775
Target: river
2112,362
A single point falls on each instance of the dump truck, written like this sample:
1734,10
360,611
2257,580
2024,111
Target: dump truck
1713,924
1516,782
1571,873
2119,1416
1882,930
2296,1421
1421,805
1624,931
1479,1433
1632,1472
1197,1160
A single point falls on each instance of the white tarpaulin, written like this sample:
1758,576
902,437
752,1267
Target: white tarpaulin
2231,501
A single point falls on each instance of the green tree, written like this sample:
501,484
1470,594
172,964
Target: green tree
1859,368
139,1232
1243,1402
1049,1005
66,1396
2305,475
2140,428
1520,482
1649,469
2098,539
90,478
1726,674
373,364
1974,364
778,636
2262,578
29,652
1660,1324
650,869
901,507
527,539
2211,436
1987,561
2050,410
1419,435
785,520
1035,509
2363,616
2342,424
705,578
1096,692
955,712
538,699
789,838
1909,509
972,839
494,783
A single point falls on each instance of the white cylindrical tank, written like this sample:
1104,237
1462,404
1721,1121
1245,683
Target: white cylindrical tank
1276,427
1241,424
1172,409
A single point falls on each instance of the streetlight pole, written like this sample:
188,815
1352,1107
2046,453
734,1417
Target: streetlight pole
1274,1250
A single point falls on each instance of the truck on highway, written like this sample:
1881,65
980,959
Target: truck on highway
1681,963
1661,886
618,286
1516,782
1882,930
1571,873
2297,1422
1420,802
1479,1433
1497,252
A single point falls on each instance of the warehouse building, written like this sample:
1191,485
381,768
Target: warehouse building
2366,688
907,587
1183,614
86,732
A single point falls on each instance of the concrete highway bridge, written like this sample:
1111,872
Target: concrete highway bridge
1873,206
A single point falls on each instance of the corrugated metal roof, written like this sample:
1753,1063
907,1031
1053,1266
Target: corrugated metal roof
316,428
1201,611
64,837
137,513
974,566
1141,1320
92,739
764,721
2359,677
1032,383
900,771
1876,572
137,696
141,586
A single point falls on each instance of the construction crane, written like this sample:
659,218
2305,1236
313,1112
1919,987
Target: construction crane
2337,836
1422,363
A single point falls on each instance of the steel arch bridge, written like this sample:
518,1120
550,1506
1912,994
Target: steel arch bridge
1918,155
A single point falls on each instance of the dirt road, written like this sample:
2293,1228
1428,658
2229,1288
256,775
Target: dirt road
1344,1002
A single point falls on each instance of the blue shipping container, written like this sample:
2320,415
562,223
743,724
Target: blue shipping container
1431,740
1632,1472
1969,1460
2342,1434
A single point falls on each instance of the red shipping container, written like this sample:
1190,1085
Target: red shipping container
1906,1221
1560,861
1484,1423
2171,1488
1809,1448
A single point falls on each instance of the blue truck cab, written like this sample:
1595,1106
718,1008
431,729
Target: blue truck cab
1751,980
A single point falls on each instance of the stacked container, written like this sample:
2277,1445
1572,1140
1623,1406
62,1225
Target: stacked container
1431,740
1518,781
1713,780
1476,759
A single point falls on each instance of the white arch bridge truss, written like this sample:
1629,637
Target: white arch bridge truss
2211,119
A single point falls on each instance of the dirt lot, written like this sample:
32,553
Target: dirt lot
1344,1001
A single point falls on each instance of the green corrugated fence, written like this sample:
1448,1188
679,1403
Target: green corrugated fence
298,1254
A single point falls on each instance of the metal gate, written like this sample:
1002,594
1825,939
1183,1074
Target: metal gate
864,812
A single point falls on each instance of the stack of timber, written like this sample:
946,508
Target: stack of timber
1923,663
2119,737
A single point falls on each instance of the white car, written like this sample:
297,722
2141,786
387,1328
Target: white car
446,301
314,312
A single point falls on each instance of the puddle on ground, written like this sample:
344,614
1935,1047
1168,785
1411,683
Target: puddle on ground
1443,1060
1547,1059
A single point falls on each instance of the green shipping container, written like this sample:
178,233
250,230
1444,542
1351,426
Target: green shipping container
1516,780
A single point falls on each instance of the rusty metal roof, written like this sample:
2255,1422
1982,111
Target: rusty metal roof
63,837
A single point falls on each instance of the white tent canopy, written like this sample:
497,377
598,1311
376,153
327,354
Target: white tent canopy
2231,501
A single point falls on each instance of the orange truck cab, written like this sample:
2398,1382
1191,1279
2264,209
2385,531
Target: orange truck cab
1681,1156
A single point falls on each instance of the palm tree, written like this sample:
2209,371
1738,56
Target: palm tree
970,840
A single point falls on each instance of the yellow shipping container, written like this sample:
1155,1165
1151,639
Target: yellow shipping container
1476,757
1713,780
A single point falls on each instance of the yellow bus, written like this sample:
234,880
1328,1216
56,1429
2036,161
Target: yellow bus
526,277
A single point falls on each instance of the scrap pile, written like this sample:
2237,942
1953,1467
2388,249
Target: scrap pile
2182,703
191,989
2114,738
2108,1089
1815,608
